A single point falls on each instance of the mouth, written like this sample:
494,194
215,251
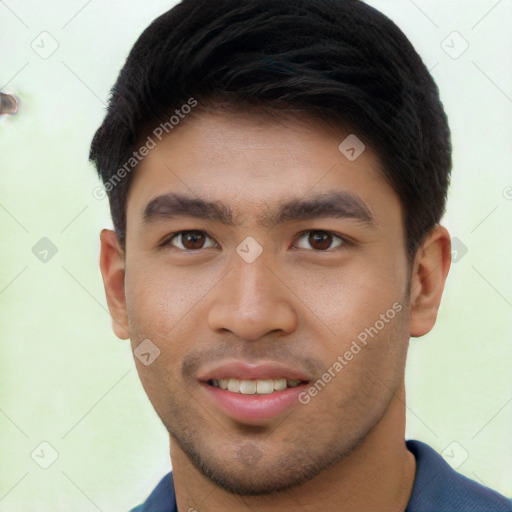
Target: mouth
252,393
255,386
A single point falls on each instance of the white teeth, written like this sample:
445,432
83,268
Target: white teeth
248,387
234,385
279,384
264,387
254,387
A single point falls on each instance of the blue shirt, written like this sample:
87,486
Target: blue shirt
437,488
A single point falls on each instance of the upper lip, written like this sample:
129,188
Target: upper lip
251,371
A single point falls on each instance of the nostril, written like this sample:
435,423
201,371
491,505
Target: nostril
8,104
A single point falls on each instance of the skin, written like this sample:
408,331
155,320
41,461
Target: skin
300,302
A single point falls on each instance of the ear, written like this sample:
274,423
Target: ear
430,268
112,267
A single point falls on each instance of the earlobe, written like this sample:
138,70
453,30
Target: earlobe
112,267
430,269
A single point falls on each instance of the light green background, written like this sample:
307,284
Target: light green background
67,380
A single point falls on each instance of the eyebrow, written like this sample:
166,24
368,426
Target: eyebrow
339,204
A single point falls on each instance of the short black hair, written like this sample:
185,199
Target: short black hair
338,61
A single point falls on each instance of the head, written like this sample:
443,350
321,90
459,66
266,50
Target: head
276,172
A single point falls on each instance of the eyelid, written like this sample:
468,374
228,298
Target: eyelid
345,241
166,242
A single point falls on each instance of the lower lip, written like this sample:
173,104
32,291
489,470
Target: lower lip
253,408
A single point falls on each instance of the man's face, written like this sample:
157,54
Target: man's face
218,310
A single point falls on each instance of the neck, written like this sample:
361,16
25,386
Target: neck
376,475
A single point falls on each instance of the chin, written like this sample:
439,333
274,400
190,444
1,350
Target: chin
250,471
257,482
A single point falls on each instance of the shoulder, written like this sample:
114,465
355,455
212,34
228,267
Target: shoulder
437,487
161,499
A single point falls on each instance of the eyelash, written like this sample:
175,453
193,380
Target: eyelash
345,242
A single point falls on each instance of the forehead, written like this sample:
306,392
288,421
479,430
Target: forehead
254,165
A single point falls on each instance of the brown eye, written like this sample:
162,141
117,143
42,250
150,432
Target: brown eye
321,240
189,240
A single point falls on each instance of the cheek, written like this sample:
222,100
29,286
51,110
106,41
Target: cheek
344,301
363,316
370,377
164,306
163,303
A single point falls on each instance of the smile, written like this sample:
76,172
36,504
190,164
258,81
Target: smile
254,387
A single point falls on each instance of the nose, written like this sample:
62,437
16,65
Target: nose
252,301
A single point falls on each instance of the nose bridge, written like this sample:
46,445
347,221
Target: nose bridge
251,285
251,301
